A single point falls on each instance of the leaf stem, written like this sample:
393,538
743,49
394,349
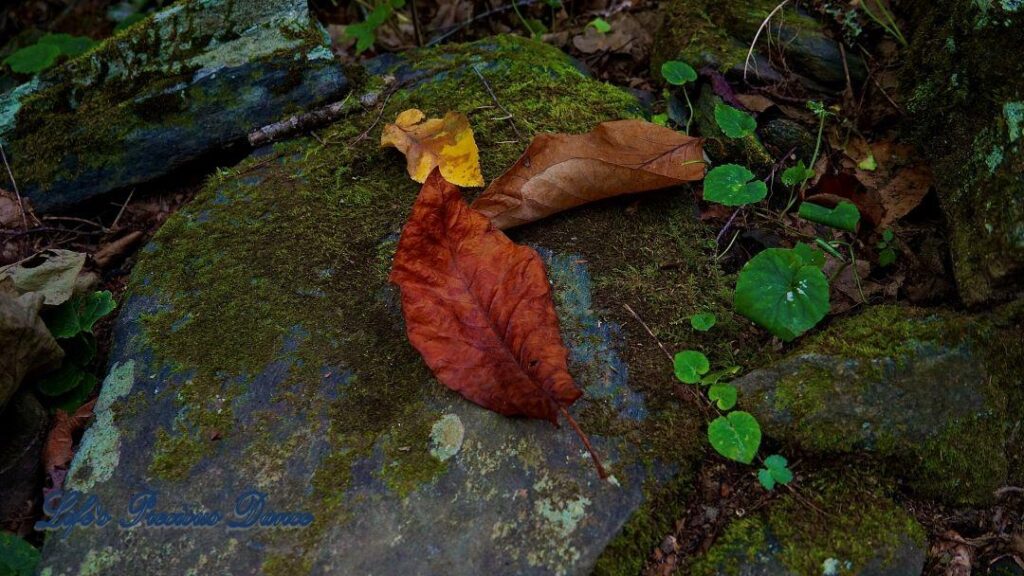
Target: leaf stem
689,119
586,442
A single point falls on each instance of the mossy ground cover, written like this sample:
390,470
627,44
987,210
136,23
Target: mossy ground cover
270,261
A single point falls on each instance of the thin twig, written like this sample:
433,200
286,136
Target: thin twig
376,120
649,331
121,211
416,23
484,15
750,53
17,193
508,115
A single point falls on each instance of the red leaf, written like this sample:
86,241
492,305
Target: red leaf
478,308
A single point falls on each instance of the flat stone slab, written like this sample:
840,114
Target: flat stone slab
191,80
926,391
262,349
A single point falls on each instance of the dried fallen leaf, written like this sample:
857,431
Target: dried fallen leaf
57,451
755,102
446,143
26,345
51,273
562,171
478,308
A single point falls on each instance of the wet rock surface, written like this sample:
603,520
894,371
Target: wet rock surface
967,113
928,392
843,522
260,348
190,81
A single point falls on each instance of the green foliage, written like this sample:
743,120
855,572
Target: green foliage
845,216
703,321
690,365
737,436
809,255
886,249
780,291
724,395
601,25
71,324
365,32
733,122
79,314
776,471
17,557
733,185
678,73
796,175
33,59
660,119
46,52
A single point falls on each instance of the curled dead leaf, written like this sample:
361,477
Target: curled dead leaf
57,452
478,308
446,143
562,171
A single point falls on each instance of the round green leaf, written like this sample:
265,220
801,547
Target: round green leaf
678,73
690,365
33,59
796,174
724,395
733,122
703,321
737,436
779,291
776,470
730,184
601,25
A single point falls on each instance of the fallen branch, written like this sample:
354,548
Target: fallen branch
305,122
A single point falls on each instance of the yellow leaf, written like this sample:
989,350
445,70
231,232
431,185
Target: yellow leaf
446,143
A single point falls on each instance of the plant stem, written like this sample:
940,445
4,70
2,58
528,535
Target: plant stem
689,119
515,6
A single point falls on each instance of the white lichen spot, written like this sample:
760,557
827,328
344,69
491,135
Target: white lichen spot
563,516
100,452
98,563
446,437
830,567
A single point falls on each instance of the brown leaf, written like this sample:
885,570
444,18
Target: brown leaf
446,143
51,273
26,345
755,102
562,171
57,451
478,308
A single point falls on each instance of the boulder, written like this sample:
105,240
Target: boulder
719,34
261,347
965,99
843,523
191,80
934,395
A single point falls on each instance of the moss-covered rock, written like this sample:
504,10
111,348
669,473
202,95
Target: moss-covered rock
842,523
261,346
192,79
719,34
931,393
965,96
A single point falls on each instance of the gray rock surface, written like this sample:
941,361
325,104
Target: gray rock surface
190,81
